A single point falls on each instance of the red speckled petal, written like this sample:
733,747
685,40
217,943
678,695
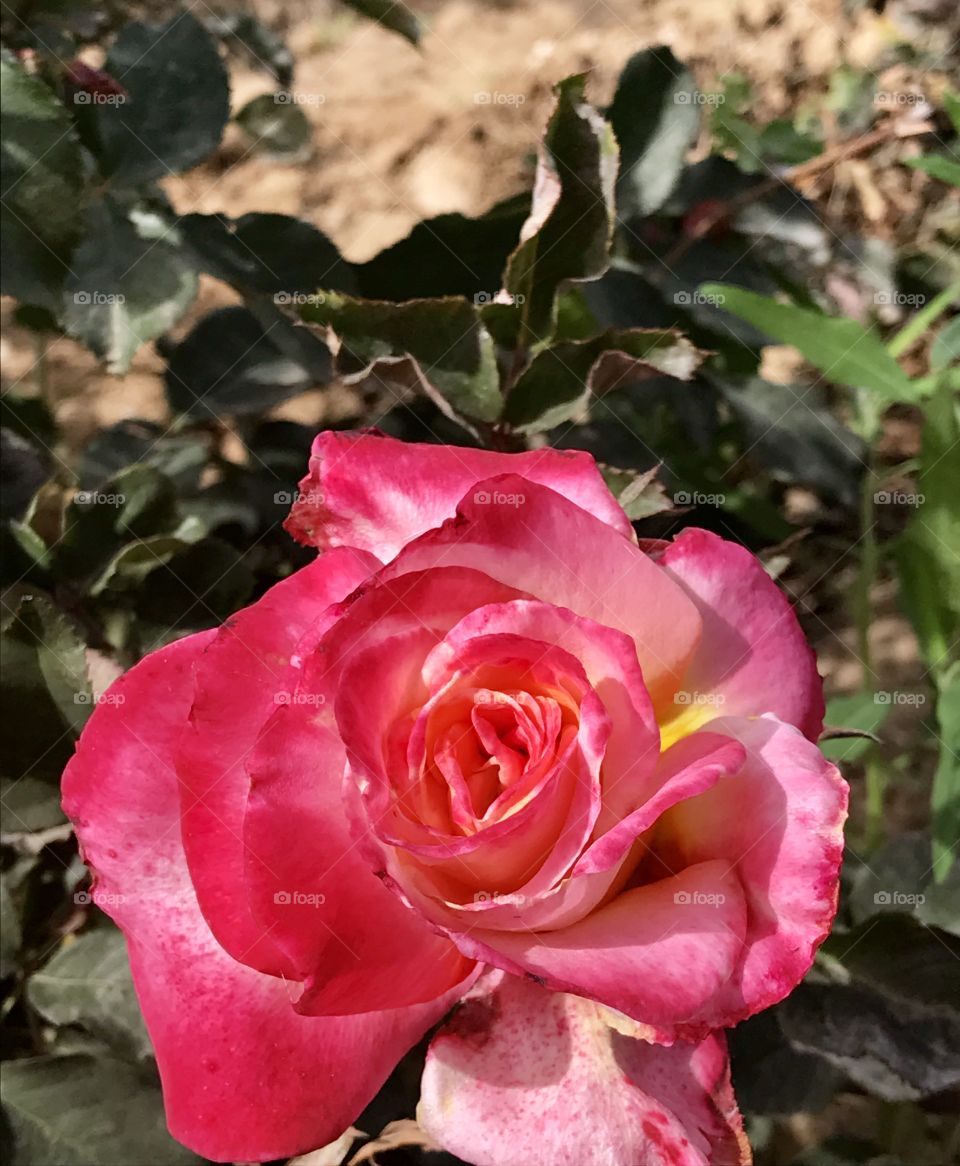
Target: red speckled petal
524,1077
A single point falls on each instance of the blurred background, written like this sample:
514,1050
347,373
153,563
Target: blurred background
183,185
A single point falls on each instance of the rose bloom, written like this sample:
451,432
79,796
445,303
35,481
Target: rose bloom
486,761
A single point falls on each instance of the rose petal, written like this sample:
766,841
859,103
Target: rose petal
658,953
244,1077
778,824
240,676
374,492
354,943
753,657
544,545
523,1077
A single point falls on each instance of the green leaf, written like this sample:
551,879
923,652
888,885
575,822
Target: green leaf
130,566
437,346
791,431
42,180
449,255
275,255
945,350
655,118
951,103
392,14
276,126
926,552
568,233
87,982
843,350
61,656
237,363
560,381
945,795
640,495
10,934
80,1110
262,46
177,103
937,166
128,283
861,712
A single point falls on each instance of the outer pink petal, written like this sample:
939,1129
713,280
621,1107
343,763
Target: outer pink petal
753,651
244,1077
777,823
239,678
374,492
658,953
523,1077
549,548
356,945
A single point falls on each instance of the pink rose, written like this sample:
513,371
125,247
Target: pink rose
484,748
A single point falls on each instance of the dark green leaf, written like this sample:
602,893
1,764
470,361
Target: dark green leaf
260,43
271,254
437,346
179,458
199,587
79,1110
892,1049
560,381
392,14
277,126
450,255
945,796
937,166
567,236
860,711
926,552
231,363
10,935
843,350
770,1076
87,982
655,118
130,566
61,656
41,184
177,103
945,350
128,283
790,430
